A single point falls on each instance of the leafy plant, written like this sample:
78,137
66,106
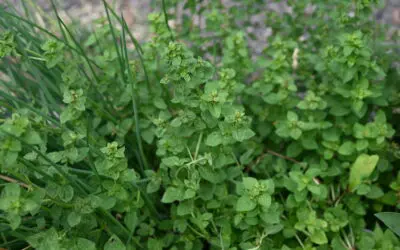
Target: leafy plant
196,139
391,220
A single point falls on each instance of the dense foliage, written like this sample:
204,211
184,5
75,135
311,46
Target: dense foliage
195,139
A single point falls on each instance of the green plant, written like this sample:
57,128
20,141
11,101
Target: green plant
108,142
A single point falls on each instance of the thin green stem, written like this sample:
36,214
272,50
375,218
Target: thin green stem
197,232
119,225
135,108
299,240
166,18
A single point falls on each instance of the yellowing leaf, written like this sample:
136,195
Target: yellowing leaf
362,169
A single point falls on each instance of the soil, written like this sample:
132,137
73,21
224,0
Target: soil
136,11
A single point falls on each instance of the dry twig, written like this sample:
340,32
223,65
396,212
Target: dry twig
11,180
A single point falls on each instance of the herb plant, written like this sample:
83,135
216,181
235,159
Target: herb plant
194,139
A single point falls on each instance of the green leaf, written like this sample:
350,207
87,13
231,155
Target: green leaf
189,193
295,133
81,243
249,182
14,220
315,189
177,122
265,200
171,161
185,208
359,131
45,240
11,190
214,139
292,116
215,110
114,243
269,184
347,148
74,219
153,186
361,169
391,220
331,134
246,157
375,192
319,237
243,134
159,103
273,229
363,189
172,194
32,137
107,202
30,205
66,193
361,144
245,204
294,149
131,220
156,244
213,176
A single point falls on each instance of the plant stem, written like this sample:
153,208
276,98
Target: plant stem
299,240
9,179
271,152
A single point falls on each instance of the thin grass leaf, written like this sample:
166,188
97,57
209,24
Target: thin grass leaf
43,30
115,41
88,61
123,23
135,109
48,160
164,7
58,20
30,107
90,160
138,48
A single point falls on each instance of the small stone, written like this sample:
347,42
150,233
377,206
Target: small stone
396,16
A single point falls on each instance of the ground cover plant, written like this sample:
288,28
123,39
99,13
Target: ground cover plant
194,139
